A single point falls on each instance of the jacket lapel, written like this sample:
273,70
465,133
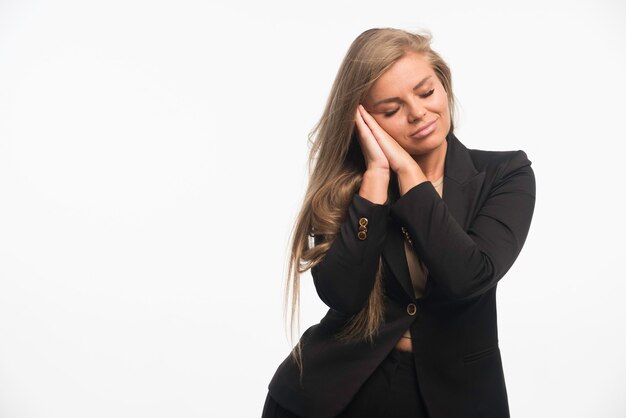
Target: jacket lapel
461,187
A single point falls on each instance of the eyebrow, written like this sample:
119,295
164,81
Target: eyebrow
397,99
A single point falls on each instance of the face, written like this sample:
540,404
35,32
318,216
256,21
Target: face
407,97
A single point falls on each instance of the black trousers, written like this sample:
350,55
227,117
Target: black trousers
392,391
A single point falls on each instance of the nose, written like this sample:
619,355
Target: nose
416,110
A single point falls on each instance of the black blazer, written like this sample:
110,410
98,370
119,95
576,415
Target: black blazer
468,239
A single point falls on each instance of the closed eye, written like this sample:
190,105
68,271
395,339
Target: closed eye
431,91
423,96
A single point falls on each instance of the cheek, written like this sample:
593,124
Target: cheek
443,103
389,125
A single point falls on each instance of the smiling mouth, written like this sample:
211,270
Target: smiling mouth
424,130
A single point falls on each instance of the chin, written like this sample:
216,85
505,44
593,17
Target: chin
429,144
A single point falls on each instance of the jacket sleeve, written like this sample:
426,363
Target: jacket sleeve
467,264
345,277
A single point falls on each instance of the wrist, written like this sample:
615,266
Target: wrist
382,173
409,170
374,185
409,178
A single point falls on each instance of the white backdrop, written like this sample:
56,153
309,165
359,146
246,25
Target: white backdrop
153,161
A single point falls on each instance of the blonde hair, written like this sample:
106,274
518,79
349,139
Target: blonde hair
336,165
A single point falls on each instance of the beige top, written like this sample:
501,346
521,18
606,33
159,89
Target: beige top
417,269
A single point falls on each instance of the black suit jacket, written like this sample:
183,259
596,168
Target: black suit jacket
468,239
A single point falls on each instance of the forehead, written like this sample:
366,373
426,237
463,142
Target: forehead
403,75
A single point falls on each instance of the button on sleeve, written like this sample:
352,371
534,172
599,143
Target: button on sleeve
345,276
362,229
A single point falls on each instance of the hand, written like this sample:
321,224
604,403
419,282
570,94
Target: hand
375,140
380,148
375,158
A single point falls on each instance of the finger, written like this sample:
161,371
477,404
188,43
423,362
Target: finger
395,154
366,136
384,140
366,139
375,128
370,147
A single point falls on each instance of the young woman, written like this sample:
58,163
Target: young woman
411,233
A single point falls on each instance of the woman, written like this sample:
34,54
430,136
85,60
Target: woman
411,233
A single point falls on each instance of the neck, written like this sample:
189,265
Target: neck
432,163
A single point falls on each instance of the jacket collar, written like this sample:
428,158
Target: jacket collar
461,186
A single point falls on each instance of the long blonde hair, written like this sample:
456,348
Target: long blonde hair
336,165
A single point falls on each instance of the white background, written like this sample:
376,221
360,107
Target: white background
153,161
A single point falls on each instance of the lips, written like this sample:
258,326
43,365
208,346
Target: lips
425,129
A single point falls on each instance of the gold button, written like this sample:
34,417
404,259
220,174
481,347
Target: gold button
411,309
363,221
362,235
362,228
